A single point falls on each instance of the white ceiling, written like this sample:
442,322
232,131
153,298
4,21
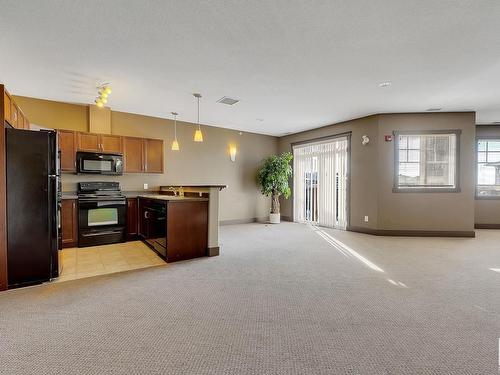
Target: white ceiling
295,64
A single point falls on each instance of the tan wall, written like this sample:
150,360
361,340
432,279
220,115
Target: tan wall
364,176
487,211
427,211
195,163
372,174
56,115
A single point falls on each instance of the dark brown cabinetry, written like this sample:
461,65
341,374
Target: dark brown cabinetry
67,145
133,155
187,230
100,143
132,225
142,155
69,222
153,151
176,229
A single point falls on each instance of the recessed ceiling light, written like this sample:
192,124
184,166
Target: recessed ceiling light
433,109
384,84
227,100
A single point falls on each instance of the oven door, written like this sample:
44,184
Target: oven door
93,214
96,163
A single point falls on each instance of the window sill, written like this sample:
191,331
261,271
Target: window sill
425,190
487,197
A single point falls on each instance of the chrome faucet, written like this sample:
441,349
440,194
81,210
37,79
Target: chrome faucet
171,188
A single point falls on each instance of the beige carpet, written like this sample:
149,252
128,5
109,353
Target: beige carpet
284,299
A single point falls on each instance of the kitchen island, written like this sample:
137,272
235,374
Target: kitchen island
180,223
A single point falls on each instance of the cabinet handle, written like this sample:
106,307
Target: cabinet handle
146,216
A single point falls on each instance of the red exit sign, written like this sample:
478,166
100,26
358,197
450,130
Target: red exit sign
388,138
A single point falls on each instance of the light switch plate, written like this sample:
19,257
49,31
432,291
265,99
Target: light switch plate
146,186
366,219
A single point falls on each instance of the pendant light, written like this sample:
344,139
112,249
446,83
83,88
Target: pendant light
198,135
175,144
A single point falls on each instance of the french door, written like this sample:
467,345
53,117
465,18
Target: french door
320,182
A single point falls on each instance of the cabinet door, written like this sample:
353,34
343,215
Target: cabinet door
187,230
13,114
7,107
131,218
69,222
154,155
67,145
133,154
111,143
88,142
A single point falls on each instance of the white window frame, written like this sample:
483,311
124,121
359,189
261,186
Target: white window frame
455,188
484,139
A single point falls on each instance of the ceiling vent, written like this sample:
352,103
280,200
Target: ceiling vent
433,109
227,100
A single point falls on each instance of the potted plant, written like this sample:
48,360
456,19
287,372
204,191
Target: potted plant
273,180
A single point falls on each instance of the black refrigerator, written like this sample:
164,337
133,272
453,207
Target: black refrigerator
33,206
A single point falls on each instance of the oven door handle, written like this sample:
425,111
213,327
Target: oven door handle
101,233
110,203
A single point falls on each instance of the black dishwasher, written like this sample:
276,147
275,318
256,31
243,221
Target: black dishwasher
154,225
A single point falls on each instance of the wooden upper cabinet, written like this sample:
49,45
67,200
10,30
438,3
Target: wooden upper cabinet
13,114
20,119
133,155
7,107
26,123
88,142
67,145
111,143
154,155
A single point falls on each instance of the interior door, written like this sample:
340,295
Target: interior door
320,183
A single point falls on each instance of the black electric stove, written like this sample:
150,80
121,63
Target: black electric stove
102,213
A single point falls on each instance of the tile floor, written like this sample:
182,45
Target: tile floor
78,263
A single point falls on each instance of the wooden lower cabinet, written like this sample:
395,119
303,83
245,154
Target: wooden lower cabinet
132,225
69,222
185,227
187,230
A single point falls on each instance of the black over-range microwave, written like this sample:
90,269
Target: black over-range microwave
99,163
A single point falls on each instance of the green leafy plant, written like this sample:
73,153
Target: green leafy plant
273,178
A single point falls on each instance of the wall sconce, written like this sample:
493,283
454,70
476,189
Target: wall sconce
232,153
365,140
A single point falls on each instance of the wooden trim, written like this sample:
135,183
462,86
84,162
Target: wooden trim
3,198
487,226
213,251
413,233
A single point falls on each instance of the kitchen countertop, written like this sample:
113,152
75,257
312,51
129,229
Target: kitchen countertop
170,197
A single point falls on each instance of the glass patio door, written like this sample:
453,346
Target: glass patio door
320,183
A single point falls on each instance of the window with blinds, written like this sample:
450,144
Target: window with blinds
426,161
320,182
488,168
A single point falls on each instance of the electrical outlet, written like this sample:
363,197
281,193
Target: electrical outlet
366,219
146,186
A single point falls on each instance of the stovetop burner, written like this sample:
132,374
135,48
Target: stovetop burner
99,190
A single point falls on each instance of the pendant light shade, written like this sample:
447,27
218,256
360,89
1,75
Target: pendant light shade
198,135
175,144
